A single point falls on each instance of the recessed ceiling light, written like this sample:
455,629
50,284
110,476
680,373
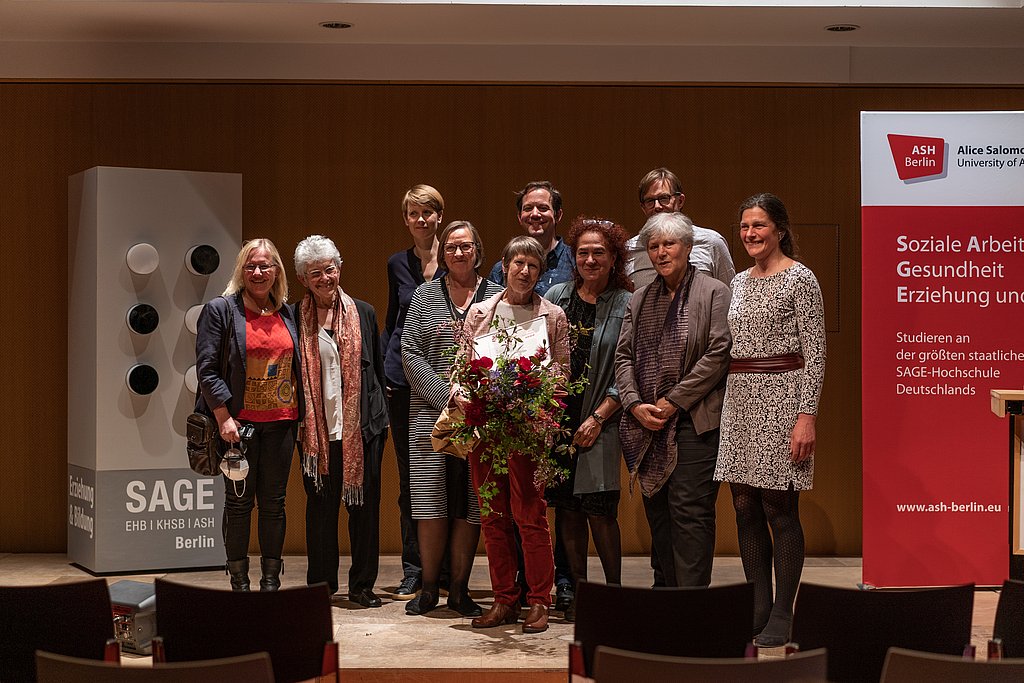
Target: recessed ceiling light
842,28
335,24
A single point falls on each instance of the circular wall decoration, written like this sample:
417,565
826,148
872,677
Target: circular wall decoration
142,259
192,318
142,318
192,379
202,259
142,379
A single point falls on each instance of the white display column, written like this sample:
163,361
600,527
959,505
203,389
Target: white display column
144,247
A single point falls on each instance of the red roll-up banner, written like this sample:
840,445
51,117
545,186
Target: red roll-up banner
942,199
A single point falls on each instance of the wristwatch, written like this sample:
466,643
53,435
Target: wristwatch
600,420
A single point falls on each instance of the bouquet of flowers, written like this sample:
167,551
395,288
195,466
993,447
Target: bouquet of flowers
515,408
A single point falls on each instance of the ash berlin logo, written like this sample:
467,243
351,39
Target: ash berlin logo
918,158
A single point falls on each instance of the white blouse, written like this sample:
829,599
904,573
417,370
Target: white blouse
330,383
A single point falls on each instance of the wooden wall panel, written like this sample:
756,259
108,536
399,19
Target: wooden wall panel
336,158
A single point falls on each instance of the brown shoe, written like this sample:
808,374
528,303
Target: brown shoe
499,614
536,620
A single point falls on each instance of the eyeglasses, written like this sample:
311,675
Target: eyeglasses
465,247
265,267
329,271
662,199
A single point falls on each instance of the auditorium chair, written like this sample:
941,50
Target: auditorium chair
910,666
858,627
612,665
65,618
254,668
292,625
1009,625
680,622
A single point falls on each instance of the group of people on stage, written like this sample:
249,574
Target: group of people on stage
694,375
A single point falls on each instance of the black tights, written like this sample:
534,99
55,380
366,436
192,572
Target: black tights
455,539
572,529
756,510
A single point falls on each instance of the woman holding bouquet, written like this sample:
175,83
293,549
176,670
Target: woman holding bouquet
595,300
444,504
518,497
670,366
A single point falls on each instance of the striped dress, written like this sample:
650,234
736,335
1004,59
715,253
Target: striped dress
426,338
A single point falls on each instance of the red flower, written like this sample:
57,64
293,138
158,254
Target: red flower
476,414
531,381
525,364
481,366
541,354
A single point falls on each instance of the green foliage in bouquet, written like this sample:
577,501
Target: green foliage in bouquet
515,410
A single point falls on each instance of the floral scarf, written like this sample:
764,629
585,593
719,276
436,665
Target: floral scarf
315,440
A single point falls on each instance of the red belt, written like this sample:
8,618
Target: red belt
783,363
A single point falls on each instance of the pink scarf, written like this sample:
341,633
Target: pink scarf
315,440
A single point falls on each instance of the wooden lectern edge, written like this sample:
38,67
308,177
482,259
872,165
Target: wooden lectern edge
1001,396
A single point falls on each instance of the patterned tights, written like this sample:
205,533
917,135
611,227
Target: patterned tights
758,509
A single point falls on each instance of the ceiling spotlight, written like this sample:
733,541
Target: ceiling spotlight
842,28
335,24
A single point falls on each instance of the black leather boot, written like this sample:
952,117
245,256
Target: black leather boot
271,580
238,570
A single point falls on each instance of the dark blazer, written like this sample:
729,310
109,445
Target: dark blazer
373,408
217,318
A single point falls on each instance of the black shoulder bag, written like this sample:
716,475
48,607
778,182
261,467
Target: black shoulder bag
203,443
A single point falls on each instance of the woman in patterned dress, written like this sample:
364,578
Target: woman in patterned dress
768,436
444,503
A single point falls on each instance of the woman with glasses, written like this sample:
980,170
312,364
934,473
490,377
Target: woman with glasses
248,364
345,424
422,210
444,504
594,301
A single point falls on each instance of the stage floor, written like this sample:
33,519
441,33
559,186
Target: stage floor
387,644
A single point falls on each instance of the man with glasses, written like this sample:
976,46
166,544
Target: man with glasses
539,208
661,192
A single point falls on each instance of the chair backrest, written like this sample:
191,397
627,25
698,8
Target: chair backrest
858,627
909,666
612,665
680,622
292,625
253,668
67,618
1009,624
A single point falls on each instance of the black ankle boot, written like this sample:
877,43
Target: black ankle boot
271,580
238,570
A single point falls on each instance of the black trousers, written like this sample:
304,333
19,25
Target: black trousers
322,510
682,513
269,453
398,411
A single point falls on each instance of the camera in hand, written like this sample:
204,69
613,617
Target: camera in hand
234,466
